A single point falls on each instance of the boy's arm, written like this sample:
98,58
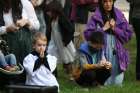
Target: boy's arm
81,64
90,66
84,63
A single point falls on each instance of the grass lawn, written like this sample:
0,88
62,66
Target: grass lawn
129,86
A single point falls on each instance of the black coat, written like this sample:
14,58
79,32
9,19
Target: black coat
67,29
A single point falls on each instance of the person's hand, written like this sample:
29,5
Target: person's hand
103,62
112,24
36,2
108,65
106,26
12,28
41,53
33,2
100,65
22,22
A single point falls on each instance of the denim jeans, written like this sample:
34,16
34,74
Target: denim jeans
9,59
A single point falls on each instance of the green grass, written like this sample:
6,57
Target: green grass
130,85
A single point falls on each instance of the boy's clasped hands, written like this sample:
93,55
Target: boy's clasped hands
105,64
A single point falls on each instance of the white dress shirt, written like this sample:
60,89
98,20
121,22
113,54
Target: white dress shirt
42,76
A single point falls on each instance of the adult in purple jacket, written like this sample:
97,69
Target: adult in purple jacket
112,22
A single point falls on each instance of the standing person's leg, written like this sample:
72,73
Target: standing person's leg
79,28
69,54
69,69
136,24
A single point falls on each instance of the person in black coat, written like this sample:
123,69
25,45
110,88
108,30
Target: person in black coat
60,34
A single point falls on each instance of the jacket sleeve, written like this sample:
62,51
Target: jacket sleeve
67,29
31,14
84,62
91,27
123,32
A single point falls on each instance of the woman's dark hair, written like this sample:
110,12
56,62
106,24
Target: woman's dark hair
100,2
104,16
16,7
96,37
55,8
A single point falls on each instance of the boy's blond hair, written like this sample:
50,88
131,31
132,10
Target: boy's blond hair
39,36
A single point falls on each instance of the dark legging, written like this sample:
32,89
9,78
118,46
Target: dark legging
92,77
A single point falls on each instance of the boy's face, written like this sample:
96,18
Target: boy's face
97,46
40,46
107,5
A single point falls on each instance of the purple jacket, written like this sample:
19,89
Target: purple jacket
122,32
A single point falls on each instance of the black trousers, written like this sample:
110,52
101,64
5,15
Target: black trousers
136,25
92,77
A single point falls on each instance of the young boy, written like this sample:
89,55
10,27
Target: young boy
39,65
93,69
